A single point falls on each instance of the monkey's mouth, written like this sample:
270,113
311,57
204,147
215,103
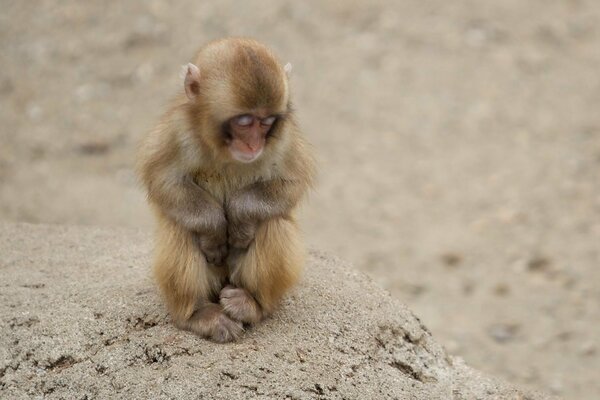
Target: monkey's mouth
245,152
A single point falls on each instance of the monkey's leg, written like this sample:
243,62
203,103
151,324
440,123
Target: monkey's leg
262,274
188,284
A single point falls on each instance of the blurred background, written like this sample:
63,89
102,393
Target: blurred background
459,148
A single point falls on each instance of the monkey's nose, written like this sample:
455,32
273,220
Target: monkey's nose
253,139
253,146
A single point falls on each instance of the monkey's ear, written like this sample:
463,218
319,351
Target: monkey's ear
288,69
191,80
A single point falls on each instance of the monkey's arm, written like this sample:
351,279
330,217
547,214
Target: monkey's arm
181,199
258,202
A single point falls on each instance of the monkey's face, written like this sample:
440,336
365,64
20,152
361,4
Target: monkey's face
238,93
246,135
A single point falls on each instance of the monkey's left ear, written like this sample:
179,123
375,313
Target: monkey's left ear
191,81
288,69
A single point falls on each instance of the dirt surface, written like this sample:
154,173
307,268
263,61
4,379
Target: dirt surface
70,330
459,146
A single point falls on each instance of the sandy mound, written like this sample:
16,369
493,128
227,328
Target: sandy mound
82,319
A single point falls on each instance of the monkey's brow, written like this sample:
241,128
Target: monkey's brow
278,115
281,115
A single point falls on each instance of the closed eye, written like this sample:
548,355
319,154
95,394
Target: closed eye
244,120
268,121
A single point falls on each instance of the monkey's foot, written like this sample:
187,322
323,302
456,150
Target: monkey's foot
211,322
240,305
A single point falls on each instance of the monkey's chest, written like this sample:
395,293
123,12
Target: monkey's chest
221,186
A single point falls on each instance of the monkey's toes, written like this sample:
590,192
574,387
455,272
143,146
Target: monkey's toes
226,330
240,305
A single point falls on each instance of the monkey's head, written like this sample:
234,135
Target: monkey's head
238,93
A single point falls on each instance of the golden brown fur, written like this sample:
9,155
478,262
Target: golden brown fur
208,206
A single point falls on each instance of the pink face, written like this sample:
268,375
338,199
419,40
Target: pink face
248,135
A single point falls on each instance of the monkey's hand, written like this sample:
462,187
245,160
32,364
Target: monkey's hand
215,251
210,235
241,233
253,204
192,207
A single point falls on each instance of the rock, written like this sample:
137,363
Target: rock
81,318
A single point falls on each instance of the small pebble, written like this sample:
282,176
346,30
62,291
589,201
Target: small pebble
503,333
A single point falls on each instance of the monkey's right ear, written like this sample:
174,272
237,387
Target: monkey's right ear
191,80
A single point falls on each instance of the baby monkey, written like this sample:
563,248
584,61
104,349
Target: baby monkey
224,171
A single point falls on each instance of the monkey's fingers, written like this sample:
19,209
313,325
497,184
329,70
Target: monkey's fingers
214,253
217,255
242,236
240,243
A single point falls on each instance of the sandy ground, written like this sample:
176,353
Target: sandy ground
72,331
459,147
